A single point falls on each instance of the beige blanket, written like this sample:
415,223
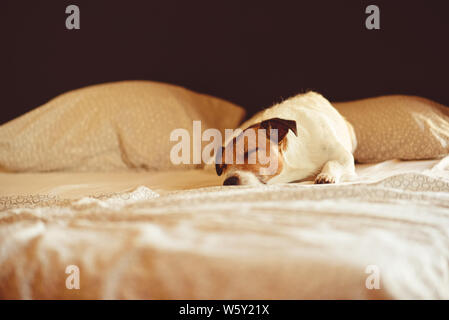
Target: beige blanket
177,236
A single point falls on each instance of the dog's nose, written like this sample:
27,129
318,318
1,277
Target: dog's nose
232,181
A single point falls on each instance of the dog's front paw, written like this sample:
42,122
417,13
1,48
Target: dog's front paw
324,178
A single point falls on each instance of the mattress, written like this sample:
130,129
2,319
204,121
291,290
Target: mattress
182,235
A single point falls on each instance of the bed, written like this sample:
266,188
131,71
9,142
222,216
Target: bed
180,235
91,207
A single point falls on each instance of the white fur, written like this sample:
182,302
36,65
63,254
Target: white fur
325,140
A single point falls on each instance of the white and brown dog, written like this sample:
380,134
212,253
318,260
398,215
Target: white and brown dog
313,140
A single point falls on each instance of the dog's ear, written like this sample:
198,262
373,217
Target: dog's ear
281,125
219,163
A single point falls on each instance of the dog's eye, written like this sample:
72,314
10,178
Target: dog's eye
247,153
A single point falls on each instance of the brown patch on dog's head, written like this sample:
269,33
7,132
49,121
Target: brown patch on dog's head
244,152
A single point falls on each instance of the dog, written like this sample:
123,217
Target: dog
313,141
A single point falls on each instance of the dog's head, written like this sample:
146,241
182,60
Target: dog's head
255,155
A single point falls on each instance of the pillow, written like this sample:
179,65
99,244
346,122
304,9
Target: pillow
110,126
397,127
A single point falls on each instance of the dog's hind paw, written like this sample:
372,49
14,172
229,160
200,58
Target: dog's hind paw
324,178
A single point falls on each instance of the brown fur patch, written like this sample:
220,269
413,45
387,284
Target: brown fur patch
261,146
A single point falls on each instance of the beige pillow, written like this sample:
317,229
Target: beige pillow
397,127
111,126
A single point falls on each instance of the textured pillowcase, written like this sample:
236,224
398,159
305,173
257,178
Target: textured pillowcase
397,127
108,127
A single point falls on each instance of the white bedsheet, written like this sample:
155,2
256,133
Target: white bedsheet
179,235
76,185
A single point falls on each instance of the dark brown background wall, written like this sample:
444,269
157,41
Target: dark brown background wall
253,53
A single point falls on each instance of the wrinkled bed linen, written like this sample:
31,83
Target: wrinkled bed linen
154,238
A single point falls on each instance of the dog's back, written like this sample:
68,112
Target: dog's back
309,110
